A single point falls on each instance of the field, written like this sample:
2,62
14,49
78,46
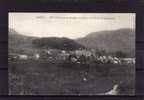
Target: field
41,77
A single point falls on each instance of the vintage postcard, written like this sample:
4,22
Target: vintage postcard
71,53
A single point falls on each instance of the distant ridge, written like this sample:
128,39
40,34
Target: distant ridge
111,41
18,41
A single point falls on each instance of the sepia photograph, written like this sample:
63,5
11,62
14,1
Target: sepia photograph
71,53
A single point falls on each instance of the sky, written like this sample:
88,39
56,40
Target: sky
71,25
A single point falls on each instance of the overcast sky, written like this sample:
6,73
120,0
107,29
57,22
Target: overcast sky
71,25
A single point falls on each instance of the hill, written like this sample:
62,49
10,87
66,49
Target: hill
20,43
17,40
111,41
57,43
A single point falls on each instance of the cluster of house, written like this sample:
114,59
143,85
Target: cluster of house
84,56
77,56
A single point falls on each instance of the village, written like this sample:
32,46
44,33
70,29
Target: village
76,56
